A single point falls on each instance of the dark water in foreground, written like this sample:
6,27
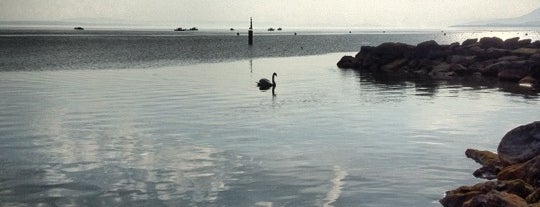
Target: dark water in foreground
204,135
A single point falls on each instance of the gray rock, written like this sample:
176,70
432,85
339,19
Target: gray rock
510,58
493,69
461,70
461,59
494,53
395,65
453,45
426,49
525,51
487,42
476,50
512,43
535,58
536,44
520,144
524,43
348,62
442,71
392,50
512,74
469,42
528,81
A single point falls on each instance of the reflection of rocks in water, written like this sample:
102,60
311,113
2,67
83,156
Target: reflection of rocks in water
430,87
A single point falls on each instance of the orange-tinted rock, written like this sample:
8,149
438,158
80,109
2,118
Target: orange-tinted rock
489,160
528,172
457,197
517,187
496,199
534,197
510,192
485,158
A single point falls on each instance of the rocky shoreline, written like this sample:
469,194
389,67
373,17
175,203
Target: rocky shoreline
514,169
511,60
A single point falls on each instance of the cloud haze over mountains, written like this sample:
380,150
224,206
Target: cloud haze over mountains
287,13
531,19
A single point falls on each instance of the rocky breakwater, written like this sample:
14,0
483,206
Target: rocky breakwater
509,60
514,173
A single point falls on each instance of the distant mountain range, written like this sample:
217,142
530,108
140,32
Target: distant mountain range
531,19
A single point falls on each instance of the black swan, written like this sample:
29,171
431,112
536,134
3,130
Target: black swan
265,84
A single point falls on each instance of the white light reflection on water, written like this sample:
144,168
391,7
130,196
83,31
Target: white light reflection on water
204,135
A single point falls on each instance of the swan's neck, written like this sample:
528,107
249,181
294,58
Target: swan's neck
273,82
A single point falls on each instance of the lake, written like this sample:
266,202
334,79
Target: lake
126,119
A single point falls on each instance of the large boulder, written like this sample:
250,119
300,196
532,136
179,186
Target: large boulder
511,191
428,49
536,44
487,42
534,197
491,165
463,194
493,69
493,53
525,51
348,62
442,71
461,59
394,66
528,172
461,70
512,74
364,50
512,43
496,198
475,50
525,43
392,50
535,58
520,144
484,157
510,58
528,81
469,42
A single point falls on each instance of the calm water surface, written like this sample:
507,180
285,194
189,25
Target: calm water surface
204,135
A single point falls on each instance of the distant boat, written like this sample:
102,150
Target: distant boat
180,29
279,29
270,29
232,29
78,28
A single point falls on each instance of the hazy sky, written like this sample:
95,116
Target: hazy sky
401,13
